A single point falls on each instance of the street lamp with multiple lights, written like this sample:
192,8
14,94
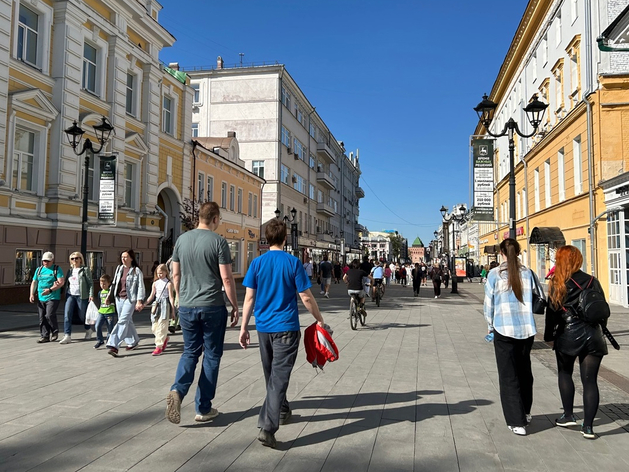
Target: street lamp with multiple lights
534,112
454,218
293,228
75,134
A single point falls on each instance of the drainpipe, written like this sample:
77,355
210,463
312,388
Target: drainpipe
163,213
525,204
589,90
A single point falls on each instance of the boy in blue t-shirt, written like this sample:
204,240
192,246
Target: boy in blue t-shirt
46,286
272,281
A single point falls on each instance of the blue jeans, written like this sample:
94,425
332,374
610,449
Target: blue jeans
104,319
74,302
124,329
203,331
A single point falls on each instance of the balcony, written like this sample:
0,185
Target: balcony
360,193
326,151
327,180
325,209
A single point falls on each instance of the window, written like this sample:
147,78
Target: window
518,208
255,206
201,189
130,103
578,170
234,249
89,68
545,50
299,149
299,183
312,130
239,206
547,183
525,204
311,193
94,184
195,130
250,204
558,29
286,98
284,174
24,160
573,54
129,170
257,167
534,67
26,263
167,115
196,89
250,253
313,162
561,175
232,195
536,174
223,195
580,245
319,196
28,36
574,11
210,188
286,138
558,74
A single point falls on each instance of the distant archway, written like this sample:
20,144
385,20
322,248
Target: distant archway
168,202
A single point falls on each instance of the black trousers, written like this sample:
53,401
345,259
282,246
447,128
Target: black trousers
47,312
513,358
278,352
437,287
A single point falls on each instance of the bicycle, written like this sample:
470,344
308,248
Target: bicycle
379,290
356,313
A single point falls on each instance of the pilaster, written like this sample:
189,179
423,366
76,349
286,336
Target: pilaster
5,41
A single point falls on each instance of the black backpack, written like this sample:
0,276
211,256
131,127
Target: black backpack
592,307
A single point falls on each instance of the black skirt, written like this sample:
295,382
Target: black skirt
578,337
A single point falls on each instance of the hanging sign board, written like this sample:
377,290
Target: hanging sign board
107,194
483,164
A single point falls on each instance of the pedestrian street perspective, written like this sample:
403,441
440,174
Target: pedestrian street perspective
416,389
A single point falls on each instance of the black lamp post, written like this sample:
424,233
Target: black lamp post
75,134
461,216
294,230
534,112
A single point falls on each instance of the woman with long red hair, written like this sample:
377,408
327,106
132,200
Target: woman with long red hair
572,337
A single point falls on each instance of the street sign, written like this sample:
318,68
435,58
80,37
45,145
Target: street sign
107,194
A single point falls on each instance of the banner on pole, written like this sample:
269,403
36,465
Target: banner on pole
107,193
483,164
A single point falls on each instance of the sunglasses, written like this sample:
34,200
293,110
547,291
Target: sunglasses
75,258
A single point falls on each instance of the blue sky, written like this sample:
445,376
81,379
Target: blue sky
395,79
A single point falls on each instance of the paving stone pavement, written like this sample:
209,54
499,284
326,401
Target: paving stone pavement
414,390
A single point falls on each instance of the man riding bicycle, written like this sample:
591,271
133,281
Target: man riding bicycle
354,280
377,274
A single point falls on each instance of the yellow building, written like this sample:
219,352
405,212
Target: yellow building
221,177
571,175
81,61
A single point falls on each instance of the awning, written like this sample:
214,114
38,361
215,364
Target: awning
495,249
547,235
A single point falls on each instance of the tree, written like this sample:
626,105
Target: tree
396,245
189,213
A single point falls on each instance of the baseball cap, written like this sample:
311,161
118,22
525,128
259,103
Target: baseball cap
48,256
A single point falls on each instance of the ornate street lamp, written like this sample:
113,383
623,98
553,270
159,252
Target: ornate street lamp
534,112
294,230
75,135
459,217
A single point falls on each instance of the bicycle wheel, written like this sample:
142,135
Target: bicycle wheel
377,297
353,314
383,288
361,316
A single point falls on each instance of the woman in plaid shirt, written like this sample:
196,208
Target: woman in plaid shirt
509,313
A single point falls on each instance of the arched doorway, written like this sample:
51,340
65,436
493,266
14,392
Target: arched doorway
168,204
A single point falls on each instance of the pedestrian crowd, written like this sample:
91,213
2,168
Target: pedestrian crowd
192,291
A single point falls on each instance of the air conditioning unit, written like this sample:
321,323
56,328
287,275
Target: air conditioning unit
289,150
296,156
305,199
294,179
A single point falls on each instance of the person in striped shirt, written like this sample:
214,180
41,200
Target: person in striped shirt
508,309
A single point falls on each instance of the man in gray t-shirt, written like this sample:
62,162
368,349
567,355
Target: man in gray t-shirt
201,267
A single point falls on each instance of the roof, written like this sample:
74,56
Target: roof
616,35
210,143
417,242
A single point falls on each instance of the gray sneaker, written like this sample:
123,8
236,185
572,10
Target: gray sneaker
208,416
173,407
566,420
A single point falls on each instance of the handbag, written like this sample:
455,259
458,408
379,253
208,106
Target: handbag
539,300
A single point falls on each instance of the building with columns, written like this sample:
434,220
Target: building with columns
69,61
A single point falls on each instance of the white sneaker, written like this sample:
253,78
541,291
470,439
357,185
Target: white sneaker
519,430
436,296
88,334
210,416
322,292
326,295
66,339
